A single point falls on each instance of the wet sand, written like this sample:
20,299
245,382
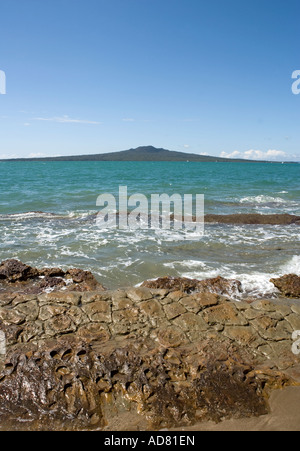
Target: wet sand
284,416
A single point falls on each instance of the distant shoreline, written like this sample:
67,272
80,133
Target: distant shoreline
149,154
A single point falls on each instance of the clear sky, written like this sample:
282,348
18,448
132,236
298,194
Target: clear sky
201,76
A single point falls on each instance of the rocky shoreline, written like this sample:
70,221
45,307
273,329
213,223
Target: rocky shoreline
171,353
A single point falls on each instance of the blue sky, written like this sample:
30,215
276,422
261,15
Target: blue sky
95,76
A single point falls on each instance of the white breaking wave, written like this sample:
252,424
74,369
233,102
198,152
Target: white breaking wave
253,285
257,285
186,263
292,266
29,215
264,199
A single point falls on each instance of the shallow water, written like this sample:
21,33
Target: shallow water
47,218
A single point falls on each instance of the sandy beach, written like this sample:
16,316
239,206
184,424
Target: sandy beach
284,416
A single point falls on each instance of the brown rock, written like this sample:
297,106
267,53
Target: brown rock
99,311
122,303
52,272
94,332
125,321
71,385
217,285
30,309
274,219
288,285
151,308
49,390
48,311
13,270
51,282
191,304
139,358
83,280
12,316
174,310
171,337
244,335
190,322
139,294
204,300
224,314
294,321
60,297
20,278
59,324
173,284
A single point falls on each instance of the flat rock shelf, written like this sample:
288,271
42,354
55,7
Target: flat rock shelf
140,358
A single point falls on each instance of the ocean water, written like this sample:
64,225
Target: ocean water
48,218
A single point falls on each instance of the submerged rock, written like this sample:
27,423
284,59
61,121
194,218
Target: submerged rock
253,218
288,285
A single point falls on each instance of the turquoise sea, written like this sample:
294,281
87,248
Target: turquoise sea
47,218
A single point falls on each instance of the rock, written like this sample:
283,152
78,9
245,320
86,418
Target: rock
80,387
51,282
83,280
60,298
217,285
52,272
288,285
98,311
172,284
139,359
171,337
243,335
191,324
173,310
60,324
224,314
204,300
253,218
138,294
18,277
13,270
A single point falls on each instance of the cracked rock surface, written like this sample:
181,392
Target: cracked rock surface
140,358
